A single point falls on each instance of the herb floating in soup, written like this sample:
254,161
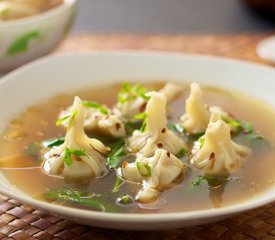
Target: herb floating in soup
153,148
13,9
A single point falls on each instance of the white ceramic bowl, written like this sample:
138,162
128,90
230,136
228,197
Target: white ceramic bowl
25,39
49,76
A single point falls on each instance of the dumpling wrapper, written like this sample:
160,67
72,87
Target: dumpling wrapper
219,155
98,122
89,166
132,107
171,91
197,116
156,134
165,169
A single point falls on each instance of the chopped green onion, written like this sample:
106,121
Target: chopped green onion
76,152
144,169
126,199
117,185
141,116
53,142
143,127
201,141
96,105
129,92
66,118
144,124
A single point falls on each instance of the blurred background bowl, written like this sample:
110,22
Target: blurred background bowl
25,39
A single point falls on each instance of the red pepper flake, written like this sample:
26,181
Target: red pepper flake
124,164
160,145
212,156
96,117
143,107
163,130
56,155
168,154
118,126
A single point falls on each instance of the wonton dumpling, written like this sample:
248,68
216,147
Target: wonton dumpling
197,116
156,134
128,109
171,91
107,124
85,166
219,155
164,167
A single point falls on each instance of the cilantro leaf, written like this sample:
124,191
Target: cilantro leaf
181,153
117,152
83,198
76,152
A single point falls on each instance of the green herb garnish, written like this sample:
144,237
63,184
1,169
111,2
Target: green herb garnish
144,123
117,185
195,136
201,141
82,198
144,169
244,133
141,116
126,199
96,105
129,92
181,153
238,126
69,152
53,142
118,151
213,181
177,128
199,180
68,118
131,127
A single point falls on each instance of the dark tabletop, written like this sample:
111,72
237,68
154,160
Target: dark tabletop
168,16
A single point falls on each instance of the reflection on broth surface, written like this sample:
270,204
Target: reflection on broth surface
21,158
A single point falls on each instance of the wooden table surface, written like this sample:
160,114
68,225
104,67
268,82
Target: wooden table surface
18,221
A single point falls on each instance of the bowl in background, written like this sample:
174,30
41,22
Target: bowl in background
50,76
25,39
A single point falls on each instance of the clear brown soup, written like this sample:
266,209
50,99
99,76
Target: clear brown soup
37,123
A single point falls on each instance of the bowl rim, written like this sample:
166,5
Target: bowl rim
262,199
38,17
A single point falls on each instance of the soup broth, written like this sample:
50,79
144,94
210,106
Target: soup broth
20,163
